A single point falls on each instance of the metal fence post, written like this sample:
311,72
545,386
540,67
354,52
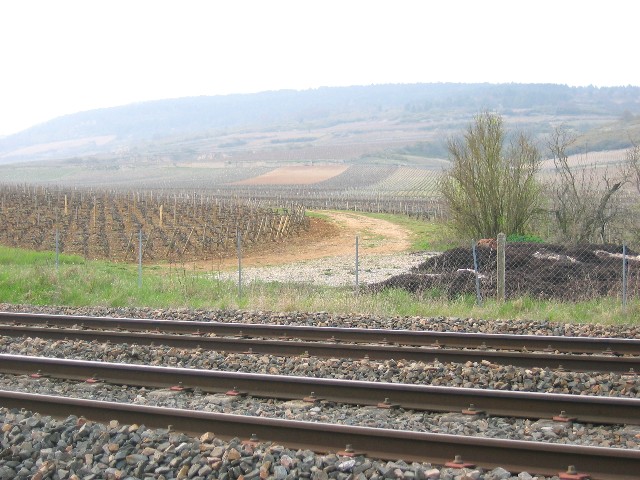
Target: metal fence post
624,276
501,261
57,250
475,269
140,259
357,266
238,239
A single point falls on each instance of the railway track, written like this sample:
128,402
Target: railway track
562,344
583,408
513,455
596,354
583,362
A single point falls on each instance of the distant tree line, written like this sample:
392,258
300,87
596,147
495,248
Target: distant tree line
200,115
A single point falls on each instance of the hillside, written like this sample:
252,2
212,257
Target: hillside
381,124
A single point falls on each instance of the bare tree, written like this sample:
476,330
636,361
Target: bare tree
633,165
490,188
582,195
632,206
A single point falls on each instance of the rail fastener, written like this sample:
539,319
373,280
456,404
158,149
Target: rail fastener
349,451
472,410
234,392
312,398
573,474
386,404
563,417
253,441
457,462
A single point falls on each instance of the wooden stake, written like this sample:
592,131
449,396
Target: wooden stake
187,242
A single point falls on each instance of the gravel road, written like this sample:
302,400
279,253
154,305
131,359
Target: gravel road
334,271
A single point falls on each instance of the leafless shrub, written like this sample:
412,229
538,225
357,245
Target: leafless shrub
583,197
491,188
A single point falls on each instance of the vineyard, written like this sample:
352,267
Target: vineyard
368,188
409,182
107,224
356,181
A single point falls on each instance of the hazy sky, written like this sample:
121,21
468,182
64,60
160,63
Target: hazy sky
60,57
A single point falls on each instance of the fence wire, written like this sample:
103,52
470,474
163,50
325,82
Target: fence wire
536,270
567,273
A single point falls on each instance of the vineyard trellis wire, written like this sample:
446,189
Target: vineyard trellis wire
367,188
105,224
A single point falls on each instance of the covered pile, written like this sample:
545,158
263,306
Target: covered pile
537,270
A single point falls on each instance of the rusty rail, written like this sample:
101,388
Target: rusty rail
514,455
606,363
622,346
593,409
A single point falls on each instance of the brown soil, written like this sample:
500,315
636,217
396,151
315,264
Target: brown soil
330,237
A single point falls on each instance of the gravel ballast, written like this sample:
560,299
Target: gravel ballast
455,423
482,374
40,447
324,319
119,452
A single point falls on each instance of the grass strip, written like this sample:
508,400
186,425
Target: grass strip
32,278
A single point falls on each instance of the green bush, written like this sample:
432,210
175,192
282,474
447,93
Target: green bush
524,238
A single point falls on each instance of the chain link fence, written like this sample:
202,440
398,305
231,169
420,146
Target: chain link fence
497,269
486,269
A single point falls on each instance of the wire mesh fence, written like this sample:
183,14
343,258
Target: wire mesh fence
484,269
536,270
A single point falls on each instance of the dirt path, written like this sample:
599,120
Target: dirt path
375,236
332,237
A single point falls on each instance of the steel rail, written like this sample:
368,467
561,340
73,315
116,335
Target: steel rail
623,346
592,409
602,363
513,455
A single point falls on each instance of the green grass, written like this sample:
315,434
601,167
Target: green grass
18,256
316,214
31,278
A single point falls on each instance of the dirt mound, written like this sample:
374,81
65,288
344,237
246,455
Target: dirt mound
544,271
